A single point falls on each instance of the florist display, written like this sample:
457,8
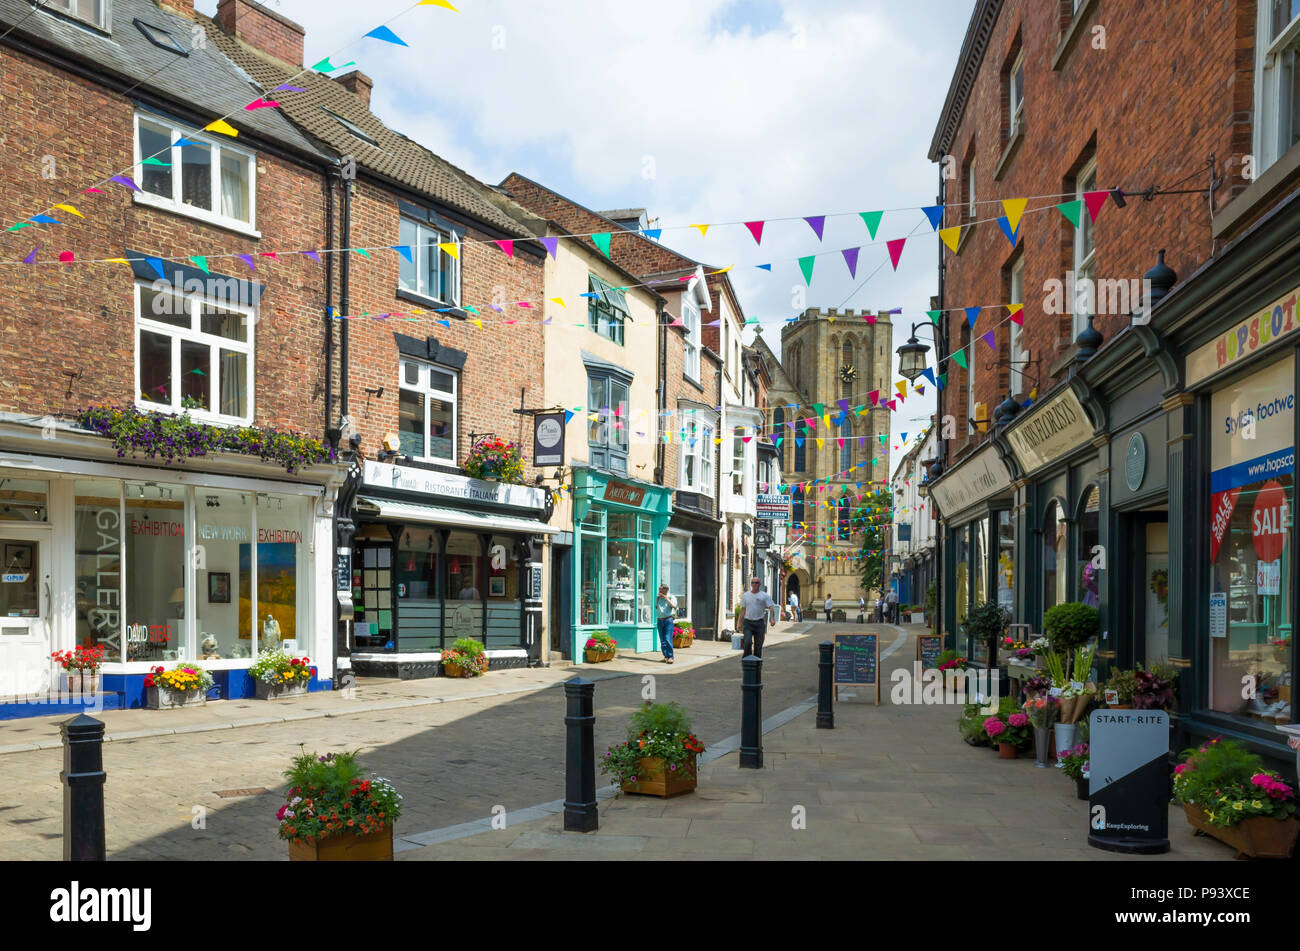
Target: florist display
600,647
986,624
658,756
971,725
950,660
185,685
497,460
1154,689
465,658
1009,731
1226,793
1042,713
278,674
1121,686
1074,763
81,667
1070,625
337,812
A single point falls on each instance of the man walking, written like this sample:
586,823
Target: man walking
828,605
880,609
666,614
891,604
755,606
862,607
795,613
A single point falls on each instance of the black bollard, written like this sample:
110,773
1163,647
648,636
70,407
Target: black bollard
825,668
83,789
751,713
580,814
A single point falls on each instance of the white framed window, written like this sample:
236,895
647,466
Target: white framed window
691,321
738,461
195,175
970,381
697,454
94,12
426,411
432,272
1016,93
193,354
1018,355
1085,252
1277,81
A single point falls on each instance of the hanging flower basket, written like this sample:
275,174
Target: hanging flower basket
496,460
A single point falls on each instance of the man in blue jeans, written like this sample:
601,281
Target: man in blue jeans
756,606
666,614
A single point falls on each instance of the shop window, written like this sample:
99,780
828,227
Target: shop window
1006,570
1055,556
1160,645
1277,80
187,172
504,607
419,593
621,569
156,589
466,586
23,500
1252,524
97,535
607,433
372,591
223,602
1087,577
674,569
589,579
980,560
193,355
426,411
282,587
433,272
961,581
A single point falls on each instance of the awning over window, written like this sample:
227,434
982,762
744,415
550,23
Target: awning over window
457,518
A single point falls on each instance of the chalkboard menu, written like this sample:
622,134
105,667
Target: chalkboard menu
928,649
856,661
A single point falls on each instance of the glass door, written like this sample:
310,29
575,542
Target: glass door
25,604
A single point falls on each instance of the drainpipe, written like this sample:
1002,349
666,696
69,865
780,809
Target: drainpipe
331,182
660,475
943,444
343,297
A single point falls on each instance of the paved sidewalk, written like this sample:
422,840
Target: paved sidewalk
369,695
889,782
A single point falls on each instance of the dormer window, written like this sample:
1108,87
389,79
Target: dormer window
94,12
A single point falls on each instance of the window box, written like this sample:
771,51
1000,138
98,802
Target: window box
195,175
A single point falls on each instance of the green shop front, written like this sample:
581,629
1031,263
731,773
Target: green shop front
618,523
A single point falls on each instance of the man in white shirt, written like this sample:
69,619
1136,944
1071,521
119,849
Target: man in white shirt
828,605
795,613
756,606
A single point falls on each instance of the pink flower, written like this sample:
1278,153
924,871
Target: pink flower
1180,768
1017,719
283,810
993,726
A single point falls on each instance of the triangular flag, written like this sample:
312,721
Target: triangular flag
560,301
285,87
935,214
1094,201
568,415
901,387
652,233
951,237
325,66
70,210
21,224
817,223
43,219
550,244
942,381
872,221
312,254
934,316
972,315
920,390
31,258
247,259
988,338
703,229
125,180
601,241
960,357
895,250
756,229
222,126
362,251
157,265
1073,210
851,259
928,374
820,441
405,251
260,103
387,35
154,160
273,255
1017,313
201,262
1014,207
451,247
507,246
1012,235
765,267
437,3
806,266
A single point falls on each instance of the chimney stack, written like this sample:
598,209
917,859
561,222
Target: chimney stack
262,29
359,84
184,7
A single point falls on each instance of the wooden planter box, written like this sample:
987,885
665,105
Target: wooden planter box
267,691
455,670
591,656
1259,837
656,779
345,847
682,641
157,698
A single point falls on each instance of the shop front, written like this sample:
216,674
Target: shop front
618,531
157,565
688,560
436,557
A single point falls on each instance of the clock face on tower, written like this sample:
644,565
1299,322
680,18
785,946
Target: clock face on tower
848,373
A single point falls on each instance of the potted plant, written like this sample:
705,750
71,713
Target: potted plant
1074,763
1122,685
987,624
81,667
1152,690
658,756
185,685
1009,731
971,725
465,658
1040,646
336,812
1070,625
600,647
683,634
496,460
1226,793
277,675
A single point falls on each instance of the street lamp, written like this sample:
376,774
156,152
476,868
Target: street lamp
911,355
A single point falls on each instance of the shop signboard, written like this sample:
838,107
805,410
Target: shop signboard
1260,331
548,439
1218,614
857,662
1129,781
773,507
980,476
449,485
1050,430
624,494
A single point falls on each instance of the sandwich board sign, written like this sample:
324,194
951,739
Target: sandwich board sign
1128,785
857,663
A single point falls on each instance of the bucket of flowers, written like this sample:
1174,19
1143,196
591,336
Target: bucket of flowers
335,811
1226,793
81,667
465,658
496,460
278,675
600,647
683,634
1074,763
185,685
658,756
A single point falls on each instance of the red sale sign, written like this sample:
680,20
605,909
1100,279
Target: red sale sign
1221,506
1268,521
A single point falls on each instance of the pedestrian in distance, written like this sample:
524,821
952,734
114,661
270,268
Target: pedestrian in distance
828,605
891,605
666,614
756,606
796,613
880,610
862,605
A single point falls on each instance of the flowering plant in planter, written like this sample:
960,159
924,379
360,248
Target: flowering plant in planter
333,795
1074,761
467,654
1229,783
88,659
601,641
656,731
495,459
278,667
182,678
1011,729
951,660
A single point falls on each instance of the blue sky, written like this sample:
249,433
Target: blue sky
701,111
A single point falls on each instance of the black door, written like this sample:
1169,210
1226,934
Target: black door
561,599
704,587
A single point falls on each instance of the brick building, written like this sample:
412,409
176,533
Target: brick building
1158,150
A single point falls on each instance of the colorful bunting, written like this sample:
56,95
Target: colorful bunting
1016,312
157,265
387,35
806,266
405,251
551,244
872,221
70,210
756,229
1073,211
972,315
1013,235
960,357
325,66
222,126
247,259
895,250
652,233
1014,208
988,338
260,103
817,223
201,262
703,229
601,241
1094,201
31,258
451,247
935,214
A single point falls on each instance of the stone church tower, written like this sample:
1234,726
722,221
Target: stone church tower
827,356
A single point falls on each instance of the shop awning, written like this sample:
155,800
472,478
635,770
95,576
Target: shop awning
438,515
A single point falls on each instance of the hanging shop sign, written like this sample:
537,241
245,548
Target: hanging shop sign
1129,781
980,476
1050,431
624,494
1259,332
548,439
773,507
429,482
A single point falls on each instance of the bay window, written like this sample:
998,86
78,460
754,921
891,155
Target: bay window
697,456
189,173
609,421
